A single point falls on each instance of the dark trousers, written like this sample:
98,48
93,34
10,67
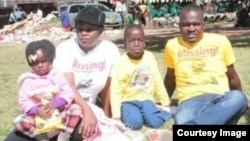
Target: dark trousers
123,19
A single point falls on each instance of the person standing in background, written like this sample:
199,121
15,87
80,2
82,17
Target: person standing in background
144,14
12,18
39,13
18,14
64,17
23,13
121,8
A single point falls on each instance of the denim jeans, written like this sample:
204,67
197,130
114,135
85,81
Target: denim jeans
212,109
136,113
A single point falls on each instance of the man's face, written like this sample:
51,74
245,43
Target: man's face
191,25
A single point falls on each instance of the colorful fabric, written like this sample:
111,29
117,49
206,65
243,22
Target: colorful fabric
105,126
26,124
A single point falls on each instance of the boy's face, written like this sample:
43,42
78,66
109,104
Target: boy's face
135,43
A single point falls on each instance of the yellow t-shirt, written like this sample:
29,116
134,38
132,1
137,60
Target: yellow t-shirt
136,80
144,8
201,67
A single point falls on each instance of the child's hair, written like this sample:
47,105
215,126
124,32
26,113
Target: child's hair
45,45
132,26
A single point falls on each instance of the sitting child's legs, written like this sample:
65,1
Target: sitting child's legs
71,116
153,116
26,125
131,116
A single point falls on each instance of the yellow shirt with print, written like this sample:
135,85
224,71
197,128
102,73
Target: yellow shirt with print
201,67
136,80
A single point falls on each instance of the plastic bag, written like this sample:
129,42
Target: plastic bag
52,124
55,121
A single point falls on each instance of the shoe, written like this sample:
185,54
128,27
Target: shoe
160,135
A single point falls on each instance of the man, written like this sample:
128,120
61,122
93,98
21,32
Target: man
200,68
18,14
144,12
243,18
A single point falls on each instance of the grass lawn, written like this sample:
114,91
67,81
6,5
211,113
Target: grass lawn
13,63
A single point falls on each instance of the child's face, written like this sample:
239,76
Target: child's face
40,63
135,43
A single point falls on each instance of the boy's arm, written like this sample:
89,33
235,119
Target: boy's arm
105,98
116,89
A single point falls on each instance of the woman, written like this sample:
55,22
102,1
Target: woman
86,62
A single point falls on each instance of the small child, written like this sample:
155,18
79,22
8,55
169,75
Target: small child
43,92
137,84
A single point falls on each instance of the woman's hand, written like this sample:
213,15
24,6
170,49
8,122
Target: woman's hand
88,124
89,121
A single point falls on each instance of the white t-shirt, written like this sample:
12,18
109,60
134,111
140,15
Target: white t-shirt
120,7
39,13
91,69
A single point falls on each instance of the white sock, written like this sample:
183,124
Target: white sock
63,136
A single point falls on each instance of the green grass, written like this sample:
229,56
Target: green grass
13,63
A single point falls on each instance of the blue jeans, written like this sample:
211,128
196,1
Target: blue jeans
212,109
137,113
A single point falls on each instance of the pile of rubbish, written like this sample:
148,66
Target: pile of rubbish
33,28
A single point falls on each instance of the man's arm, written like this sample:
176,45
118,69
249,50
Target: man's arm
233,78
105,97
169,81
89,121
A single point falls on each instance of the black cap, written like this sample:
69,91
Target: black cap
91,15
